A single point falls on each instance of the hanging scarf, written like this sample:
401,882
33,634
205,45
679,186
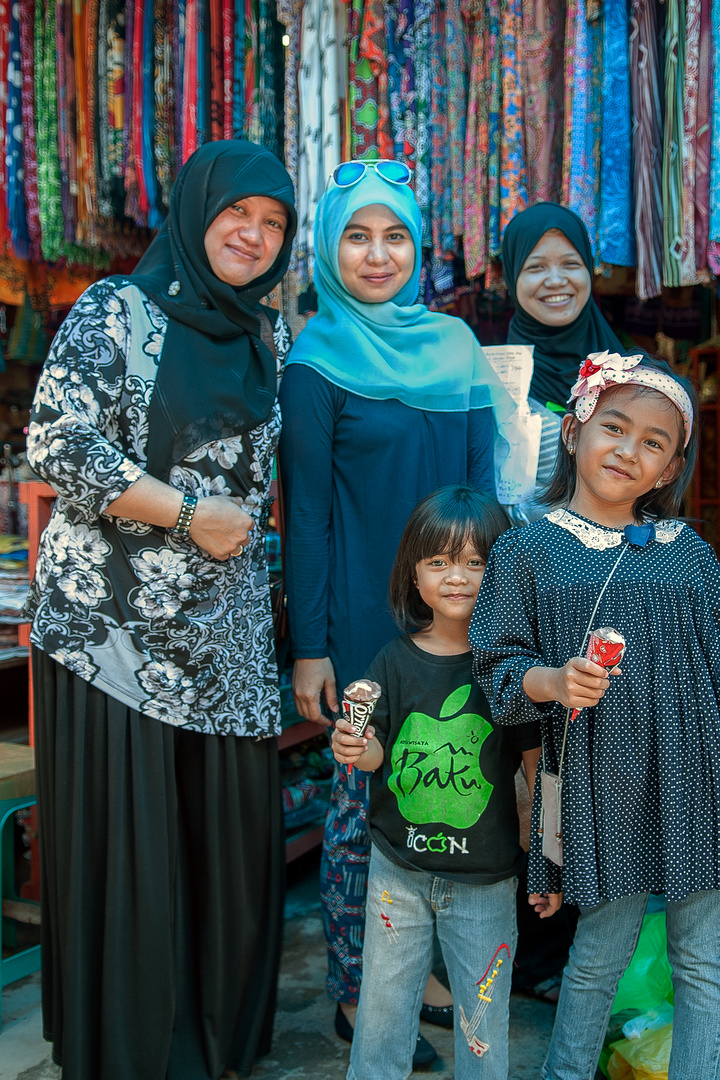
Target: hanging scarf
228,57
149,97
215,374
647,135
443,242
46,97
456,72
423,83
558,351
217,85
672,169
688,272
702,140
580,180
475,193
164,135
14,194
238,120
397,349
543,104
27,30
616,226
513,175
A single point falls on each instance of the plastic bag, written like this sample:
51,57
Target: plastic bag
647,982
645,1058
649,1021
645,986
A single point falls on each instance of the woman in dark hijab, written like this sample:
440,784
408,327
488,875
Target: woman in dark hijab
155,420
548,269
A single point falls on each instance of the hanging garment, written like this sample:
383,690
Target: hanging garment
582,129
616,231
714,200
456,71
399,22
423,83
672,167
239,70
252,71
228,51
27,25
688,272
164,82
543,37
362,92
513,183
702,139
320,142
14,194
443,243
475,196
270,115
46,98
190,81
647,135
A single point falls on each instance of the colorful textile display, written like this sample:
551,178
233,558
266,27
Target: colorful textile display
611,107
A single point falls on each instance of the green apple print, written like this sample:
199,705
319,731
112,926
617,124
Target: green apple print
435,765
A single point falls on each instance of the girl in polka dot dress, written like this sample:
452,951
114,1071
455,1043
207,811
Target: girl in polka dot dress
640,766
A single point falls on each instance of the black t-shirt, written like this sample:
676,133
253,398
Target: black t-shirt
445,800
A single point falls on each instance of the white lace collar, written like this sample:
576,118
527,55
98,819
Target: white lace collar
600,537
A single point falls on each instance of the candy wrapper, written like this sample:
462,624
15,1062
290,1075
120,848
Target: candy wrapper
359,701
607,648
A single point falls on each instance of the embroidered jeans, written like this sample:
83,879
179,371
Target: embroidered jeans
404,909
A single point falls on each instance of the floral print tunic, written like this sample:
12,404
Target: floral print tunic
147,616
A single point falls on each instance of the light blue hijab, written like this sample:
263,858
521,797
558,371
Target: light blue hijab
397,349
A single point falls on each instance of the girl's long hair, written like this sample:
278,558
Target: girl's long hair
443,523
661,502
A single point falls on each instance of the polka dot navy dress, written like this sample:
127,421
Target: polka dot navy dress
641,798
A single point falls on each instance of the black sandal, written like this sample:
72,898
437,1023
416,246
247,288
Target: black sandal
440,1015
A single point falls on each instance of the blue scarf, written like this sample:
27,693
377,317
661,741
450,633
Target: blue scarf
397,349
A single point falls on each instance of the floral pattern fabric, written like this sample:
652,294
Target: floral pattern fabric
146,616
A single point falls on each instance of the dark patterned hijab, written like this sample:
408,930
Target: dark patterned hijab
216,377
559,351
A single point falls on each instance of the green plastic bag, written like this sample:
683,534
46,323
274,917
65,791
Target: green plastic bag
647,981
646,984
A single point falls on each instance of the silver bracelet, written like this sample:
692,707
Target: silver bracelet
182,525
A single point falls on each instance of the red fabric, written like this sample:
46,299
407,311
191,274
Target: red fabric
137,105
228,50
190,83
217,93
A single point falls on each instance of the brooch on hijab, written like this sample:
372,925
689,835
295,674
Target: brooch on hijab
173,288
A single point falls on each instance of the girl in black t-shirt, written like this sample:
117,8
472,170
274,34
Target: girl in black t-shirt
442,817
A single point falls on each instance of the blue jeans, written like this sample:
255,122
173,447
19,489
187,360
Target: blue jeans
471,922
605,940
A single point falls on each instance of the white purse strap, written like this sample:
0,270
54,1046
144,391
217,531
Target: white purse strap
582,650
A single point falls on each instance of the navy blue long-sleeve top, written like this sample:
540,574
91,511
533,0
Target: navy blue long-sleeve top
353,469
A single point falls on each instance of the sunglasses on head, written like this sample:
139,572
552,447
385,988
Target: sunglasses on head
350,172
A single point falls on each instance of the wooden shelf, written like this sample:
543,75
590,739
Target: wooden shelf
303,842
297,733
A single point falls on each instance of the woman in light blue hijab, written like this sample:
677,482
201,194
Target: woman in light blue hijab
383,401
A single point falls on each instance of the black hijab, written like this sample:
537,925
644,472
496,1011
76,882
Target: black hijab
216,377
558,351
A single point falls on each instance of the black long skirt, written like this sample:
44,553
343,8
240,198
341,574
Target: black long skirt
162,857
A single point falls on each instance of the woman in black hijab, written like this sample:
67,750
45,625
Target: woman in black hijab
548,265
156,698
